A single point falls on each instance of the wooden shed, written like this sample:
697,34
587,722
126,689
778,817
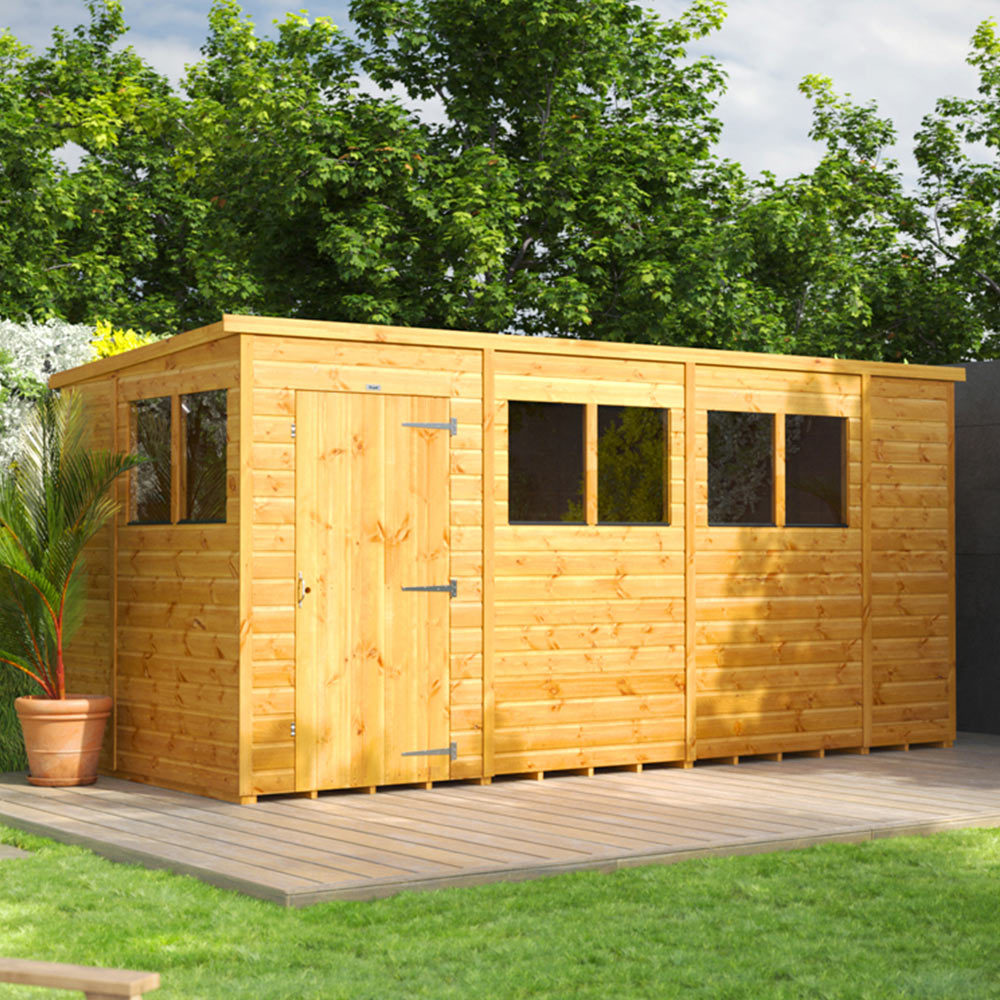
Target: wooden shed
364,555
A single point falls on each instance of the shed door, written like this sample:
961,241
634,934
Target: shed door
371,658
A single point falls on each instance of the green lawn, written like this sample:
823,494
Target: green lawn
910,917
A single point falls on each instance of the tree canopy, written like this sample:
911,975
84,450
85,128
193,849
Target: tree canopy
567,183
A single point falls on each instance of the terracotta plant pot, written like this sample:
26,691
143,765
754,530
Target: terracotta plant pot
63,737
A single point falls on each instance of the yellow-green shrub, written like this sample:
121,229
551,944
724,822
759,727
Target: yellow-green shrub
109,341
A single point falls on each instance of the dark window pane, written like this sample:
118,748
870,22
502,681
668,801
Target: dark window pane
151,480
740,468
632,465
203,420
814,470
545,462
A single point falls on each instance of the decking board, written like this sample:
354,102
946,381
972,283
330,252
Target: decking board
297,851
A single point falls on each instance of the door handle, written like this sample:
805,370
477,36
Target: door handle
303,590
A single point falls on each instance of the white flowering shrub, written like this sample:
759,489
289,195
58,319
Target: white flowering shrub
29,354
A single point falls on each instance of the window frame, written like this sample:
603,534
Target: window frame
779,462
183,471
131,488
591,472
844,475
178,454
664,468
776,471
583,464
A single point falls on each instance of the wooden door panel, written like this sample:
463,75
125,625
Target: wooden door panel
365,614
372,659
416,520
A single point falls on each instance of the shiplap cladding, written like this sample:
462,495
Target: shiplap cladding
779,608
570,646
177,685
912,503
91,651
281,366
589,619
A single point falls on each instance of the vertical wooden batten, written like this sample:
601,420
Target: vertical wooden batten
590,463
690,567
489,569
176,458
121,490
244,395
867,683
779,469
952,588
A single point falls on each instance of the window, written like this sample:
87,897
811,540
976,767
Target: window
150,487
632,465
203,487
184,439
545,465
740,468
815,477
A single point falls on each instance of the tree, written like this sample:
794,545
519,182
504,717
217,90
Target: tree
570,186
602,134
81,243
321,200
960,192
834,258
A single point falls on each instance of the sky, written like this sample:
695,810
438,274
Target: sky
903,54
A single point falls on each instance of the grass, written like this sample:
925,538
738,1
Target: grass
908,917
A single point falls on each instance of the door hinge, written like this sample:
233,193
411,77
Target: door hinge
451,587
451,426
293,730
448,751
293,430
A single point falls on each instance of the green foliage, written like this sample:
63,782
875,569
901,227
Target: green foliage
884,920
572,187
600,134
960,187
109,341
53,500
15,381
100,237
29,354
323,201
13,684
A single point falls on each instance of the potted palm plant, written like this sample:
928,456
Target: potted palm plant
54,498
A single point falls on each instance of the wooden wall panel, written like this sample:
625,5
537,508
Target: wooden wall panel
779,609
272,565
913,669
466,523
90,656
281,366
178,609
571,646
589,620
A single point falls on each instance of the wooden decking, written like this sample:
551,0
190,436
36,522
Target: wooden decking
297,851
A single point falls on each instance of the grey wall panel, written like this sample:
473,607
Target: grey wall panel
977,544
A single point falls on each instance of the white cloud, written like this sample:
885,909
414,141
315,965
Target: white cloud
903,54
170,56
